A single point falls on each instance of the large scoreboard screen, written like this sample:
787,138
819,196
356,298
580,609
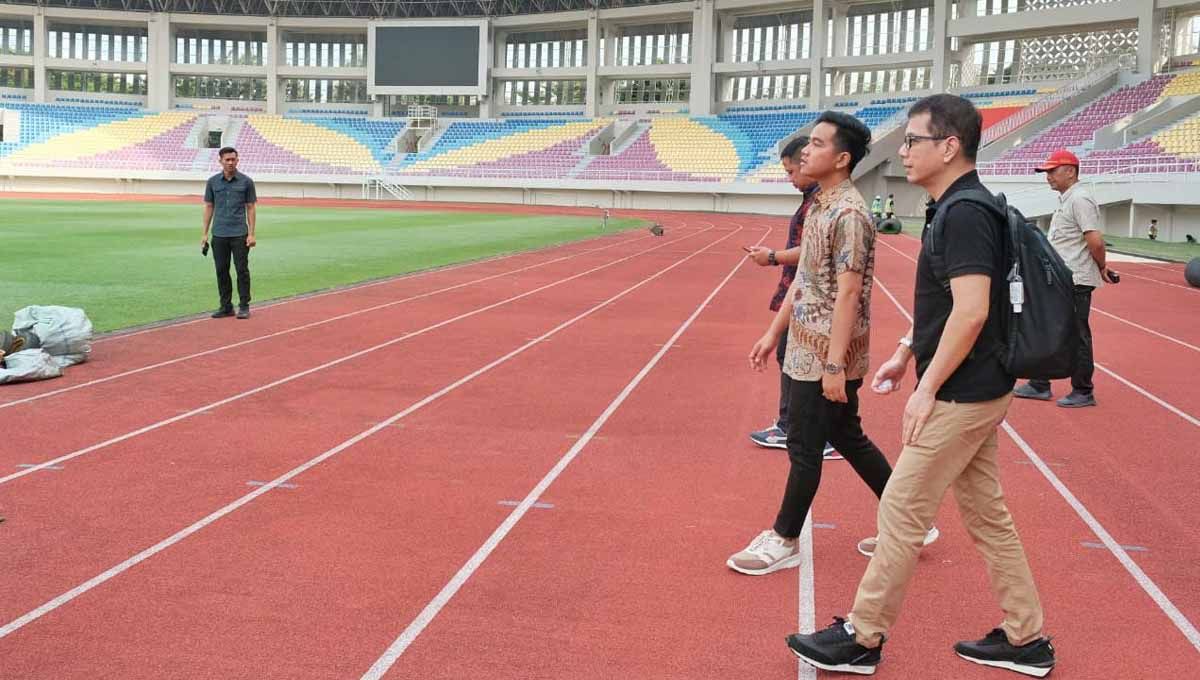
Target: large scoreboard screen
421,57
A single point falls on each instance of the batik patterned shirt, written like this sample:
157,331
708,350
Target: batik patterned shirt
838,237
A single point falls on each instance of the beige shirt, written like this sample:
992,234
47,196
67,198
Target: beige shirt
1077,213
838,237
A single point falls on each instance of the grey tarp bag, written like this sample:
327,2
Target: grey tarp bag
65,332
28,365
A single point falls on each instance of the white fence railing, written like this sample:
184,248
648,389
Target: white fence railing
1092,167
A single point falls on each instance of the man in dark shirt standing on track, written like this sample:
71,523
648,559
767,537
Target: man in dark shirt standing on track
230,198
950,423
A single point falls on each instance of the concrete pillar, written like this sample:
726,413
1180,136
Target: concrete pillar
158,62
841,45
1149,38
40,36
941,45
704,36
500,54
816,77
591,101
728,33
274,57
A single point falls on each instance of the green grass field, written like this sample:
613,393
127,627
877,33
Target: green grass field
131,263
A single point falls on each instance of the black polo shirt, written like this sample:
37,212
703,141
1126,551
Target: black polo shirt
971,242
229,198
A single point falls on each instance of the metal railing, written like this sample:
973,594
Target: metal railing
1092,168
1052,101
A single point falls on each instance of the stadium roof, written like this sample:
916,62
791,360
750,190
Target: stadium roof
365,9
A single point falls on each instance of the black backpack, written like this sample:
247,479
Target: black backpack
1041,337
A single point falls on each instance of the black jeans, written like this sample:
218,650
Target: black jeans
815,420
1085,366
222,248
785,384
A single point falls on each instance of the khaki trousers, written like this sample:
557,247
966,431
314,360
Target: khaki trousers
957,448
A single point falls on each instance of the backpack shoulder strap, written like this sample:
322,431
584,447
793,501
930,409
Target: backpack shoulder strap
997,205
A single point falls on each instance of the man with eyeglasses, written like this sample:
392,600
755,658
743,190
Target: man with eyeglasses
950,421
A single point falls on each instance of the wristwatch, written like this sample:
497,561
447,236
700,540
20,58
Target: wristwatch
771,258
834,369
906,341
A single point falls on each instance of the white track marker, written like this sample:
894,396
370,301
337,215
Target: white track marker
431,610
117,570
1164,603
314,369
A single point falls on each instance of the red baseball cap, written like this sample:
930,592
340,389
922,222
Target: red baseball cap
1057,159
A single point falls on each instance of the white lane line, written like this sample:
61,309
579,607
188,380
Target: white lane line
358,286
1163,283
431,610
306,326
1140,390
109,574
1152,397
1164,603
1160,598
301,374
806,620
1164,336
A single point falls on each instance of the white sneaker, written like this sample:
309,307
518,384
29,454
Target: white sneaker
867,545
768,552
831,453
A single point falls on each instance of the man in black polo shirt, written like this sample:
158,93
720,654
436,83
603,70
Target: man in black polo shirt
950,423
229,201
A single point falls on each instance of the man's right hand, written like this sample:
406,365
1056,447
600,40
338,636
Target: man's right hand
892,370
203,242
759,255
761,353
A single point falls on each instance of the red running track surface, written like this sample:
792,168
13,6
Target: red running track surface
619,571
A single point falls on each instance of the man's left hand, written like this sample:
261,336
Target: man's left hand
250,241
833,386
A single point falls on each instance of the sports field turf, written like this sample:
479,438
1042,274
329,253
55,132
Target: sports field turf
133,263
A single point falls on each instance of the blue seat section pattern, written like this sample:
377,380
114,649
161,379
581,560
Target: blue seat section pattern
40,122
468,133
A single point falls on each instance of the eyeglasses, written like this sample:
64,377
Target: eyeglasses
909,140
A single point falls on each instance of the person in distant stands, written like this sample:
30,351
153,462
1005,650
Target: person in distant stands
229,205
1075,235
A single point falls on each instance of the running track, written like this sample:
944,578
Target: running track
535,466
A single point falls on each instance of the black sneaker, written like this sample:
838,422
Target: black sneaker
834,649
1035,658
243,313
1077,400
1028,391
222,313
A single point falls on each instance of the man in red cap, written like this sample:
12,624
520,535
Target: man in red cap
1075,234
